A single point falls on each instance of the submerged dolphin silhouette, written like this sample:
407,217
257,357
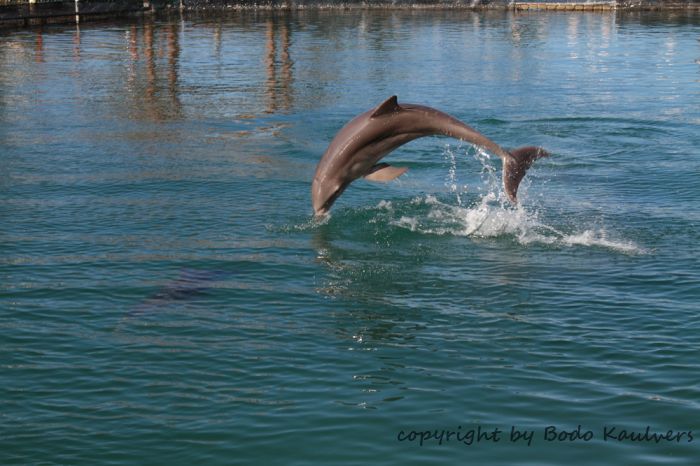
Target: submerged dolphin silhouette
361,143
189,284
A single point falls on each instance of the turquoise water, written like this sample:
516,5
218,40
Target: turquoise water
166,297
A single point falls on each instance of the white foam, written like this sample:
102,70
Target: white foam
491,219
598,238
492,215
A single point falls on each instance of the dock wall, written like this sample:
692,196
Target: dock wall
23,13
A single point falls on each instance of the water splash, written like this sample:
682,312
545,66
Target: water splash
489,183
451,181
491,215
308,224
477,209
489,218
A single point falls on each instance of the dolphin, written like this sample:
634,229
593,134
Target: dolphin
189,284
357,148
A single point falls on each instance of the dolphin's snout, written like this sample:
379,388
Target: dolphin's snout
324,194
318,197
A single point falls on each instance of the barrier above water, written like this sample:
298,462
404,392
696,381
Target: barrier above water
33,12
36,12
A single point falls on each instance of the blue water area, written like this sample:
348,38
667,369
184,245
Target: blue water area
167,298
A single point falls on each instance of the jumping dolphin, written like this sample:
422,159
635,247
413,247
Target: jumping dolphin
361,143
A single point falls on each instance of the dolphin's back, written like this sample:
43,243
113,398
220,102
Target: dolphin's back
443,124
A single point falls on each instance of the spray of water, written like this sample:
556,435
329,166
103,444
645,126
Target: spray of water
491,215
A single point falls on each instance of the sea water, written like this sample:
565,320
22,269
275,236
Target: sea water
167,298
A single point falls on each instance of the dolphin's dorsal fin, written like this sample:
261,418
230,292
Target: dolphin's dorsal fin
384,172
390,105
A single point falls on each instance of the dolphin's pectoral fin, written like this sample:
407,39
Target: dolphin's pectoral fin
390,105
384,172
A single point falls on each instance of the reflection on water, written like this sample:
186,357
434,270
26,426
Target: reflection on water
76,43
151,83
173,57
156,85
364,290
278,86
161,102
39,47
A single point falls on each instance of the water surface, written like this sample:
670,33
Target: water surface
167,298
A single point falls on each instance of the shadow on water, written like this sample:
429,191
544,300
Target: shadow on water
189,285
661,18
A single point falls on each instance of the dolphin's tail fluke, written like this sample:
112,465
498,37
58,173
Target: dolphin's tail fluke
514,168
